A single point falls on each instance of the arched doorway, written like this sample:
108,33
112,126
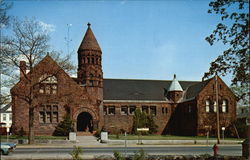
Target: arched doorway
84,122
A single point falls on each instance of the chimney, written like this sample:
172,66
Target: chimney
22,69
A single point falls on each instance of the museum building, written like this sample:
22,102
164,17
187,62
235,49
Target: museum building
95,103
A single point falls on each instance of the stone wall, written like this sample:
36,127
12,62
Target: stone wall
206,119
119,122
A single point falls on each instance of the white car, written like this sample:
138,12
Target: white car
5,149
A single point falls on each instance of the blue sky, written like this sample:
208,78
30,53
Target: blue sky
139,39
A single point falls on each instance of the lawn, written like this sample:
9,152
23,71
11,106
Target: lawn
163,137
36,137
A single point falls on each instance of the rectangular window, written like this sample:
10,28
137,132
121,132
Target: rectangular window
153,110
10,117
4,117
132,109
105,110
54,89
47,89
48,117
111,110
48,114
55,108
124,110
162,110
145,109
55,117
48,107
41,117
166,110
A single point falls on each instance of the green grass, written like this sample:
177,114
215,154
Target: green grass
36,137
163,137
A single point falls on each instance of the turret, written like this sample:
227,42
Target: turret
89,61
175,90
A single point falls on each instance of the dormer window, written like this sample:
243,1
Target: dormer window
48,84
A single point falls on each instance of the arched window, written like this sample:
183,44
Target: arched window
48,84
215,106
224,106
207,106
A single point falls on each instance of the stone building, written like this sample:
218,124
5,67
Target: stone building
93,102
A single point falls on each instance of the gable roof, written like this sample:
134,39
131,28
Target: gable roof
46,61
194,90
134,89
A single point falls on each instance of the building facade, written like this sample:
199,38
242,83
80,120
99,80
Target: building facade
6,117
95,103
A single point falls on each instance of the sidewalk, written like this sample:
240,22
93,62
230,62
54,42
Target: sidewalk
92,142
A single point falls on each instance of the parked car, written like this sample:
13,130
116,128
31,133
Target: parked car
12,145
5,149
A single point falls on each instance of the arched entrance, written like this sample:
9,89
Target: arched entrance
84,122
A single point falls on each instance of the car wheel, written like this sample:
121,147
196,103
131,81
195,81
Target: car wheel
1,152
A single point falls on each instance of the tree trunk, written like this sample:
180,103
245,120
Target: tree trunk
31,127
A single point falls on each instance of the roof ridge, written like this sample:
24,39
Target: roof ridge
148,79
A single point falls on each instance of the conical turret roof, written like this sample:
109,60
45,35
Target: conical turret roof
89,41
175,85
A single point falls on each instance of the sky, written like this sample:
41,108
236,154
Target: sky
139,39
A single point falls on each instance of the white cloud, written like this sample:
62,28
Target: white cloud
47,27
123,2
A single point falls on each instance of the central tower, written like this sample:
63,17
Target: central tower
89,71
90,77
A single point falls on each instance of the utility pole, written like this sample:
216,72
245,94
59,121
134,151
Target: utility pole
217,109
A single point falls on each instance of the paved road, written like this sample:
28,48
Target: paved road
91,152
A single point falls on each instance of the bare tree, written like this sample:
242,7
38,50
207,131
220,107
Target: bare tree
4,21
29,43
4,17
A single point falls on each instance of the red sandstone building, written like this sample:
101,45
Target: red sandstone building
178,107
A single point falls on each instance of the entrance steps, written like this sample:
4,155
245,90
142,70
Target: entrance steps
87,140
84,134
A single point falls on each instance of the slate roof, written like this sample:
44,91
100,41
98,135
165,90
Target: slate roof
132,89
195,89
175,85
5,108
89,41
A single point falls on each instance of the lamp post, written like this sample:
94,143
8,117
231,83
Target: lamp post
223,135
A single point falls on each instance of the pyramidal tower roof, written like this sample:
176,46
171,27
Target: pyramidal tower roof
175,85
89,41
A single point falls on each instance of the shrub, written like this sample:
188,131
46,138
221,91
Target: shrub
140,155
118,156
143,120
75,154
64,127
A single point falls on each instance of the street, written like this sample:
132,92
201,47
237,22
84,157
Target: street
232,150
